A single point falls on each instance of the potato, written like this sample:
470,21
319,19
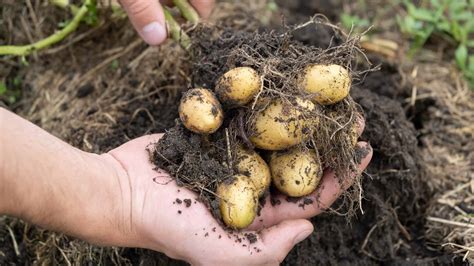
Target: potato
249,163
296,172
281,126
200,111
237,201
329,83
238,86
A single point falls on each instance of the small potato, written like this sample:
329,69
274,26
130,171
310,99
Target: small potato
296,172
281,126
238,203
238,86
200,111
329,83
252,165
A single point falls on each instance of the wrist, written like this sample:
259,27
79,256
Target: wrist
105,217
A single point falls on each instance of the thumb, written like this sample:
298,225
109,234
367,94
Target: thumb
281,238
147,18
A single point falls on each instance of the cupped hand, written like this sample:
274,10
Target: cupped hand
169,219
149,21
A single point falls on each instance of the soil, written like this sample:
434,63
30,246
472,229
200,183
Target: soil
397,186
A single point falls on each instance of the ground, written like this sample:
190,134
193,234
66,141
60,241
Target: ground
104,86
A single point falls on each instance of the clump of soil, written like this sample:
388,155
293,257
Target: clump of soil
201,163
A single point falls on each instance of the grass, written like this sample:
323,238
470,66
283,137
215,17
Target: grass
451,20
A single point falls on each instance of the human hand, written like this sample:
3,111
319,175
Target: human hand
162,221
191,233
118,199
149,21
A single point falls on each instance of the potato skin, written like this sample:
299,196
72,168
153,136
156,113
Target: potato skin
200,111
280,126
251,164
238,86
237,202
329,83
296,172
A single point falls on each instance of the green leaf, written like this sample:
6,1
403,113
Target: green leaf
470,65
456,31
420,13
114,65
272,6
3,88
91,18
461,57
17,81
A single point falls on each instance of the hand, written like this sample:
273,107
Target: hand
148,19
118,199
191,233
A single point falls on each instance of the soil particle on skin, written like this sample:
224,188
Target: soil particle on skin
292,199
306,201
252,238
361,153
178,201
274,201
179,212
187,202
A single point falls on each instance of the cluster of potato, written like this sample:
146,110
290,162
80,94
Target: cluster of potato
294,170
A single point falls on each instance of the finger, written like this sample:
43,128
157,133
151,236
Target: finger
281,238
328,191
147,18
360,120
203,7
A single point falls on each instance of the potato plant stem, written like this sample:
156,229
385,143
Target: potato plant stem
175,30
188,11
23,50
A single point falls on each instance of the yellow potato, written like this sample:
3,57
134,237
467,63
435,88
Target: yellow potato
200,111
329,83
252,165
237,201
238,86
281,126
296,172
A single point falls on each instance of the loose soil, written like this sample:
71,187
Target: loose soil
202,163
97,114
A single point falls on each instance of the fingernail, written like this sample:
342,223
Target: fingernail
302,236
154,33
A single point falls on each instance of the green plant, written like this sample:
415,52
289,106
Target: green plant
450,19
349,22
52,39
10,93
87,14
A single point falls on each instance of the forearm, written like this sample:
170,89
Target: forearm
48,182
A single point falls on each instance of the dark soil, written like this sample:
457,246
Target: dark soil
396,194
391,230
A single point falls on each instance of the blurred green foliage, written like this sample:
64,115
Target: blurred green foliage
450,19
